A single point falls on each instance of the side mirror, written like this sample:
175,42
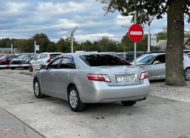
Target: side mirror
156,62
43,67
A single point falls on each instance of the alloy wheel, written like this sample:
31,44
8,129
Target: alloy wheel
36,89
73,99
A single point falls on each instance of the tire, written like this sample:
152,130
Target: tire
37,90
187,74
128,103
74,100
13,68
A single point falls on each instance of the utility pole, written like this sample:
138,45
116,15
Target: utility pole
11,48
149,35
35,47
72,37
135,44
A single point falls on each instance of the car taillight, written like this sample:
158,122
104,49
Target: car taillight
144,75
99,77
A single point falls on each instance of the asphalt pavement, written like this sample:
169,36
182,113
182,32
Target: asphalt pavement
157,117
12,127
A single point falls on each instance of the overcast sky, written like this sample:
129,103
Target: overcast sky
56,18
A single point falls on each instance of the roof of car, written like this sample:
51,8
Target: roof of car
85,53
155,54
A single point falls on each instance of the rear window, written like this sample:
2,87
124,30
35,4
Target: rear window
103,60
54,55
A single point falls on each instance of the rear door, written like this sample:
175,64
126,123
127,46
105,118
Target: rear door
63,76
156,69
49,78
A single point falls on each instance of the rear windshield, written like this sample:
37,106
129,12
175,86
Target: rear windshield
103,60
54,55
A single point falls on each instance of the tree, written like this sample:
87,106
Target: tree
175,10
128,45
43,41
63,45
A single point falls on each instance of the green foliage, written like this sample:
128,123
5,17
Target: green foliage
145,8
6,42
128,45
162,36
63,45
43,41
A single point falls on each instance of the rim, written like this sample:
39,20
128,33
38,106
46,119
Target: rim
73,99
187,74
36,89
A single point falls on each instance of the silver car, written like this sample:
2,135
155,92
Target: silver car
82,78
42,59
154,64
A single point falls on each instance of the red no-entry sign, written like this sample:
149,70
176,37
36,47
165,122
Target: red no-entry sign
136,33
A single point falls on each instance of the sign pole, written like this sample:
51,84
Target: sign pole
135,44
35,47
136,34
149,38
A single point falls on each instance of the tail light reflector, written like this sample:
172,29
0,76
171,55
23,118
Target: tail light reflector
99,77
144,75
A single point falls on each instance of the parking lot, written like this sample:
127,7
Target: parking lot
157,117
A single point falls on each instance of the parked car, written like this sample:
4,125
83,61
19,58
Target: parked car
42,59
33,59
129,56
186,51
154,64
82,78
22,61
6,58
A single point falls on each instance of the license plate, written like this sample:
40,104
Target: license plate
125,78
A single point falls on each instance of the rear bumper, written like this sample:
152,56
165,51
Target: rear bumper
104,93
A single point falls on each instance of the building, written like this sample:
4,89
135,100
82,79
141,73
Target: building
7,50
161,44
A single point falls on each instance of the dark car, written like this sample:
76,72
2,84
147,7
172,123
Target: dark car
6,58
22,61
129,56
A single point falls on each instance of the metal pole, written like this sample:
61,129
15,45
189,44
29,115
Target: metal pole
35,47
71,43
135,44
11,48
149,38
72,37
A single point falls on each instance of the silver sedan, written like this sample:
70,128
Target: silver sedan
82,78
154,64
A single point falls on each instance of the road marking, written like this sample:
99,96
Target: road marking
136,33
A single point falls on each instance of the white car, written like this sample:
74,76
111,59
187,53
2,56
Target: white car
42,59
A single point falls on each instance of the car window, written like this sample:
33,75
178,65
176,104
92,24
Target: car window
67,63
103,60
130,57
55,64
145,59
3,56
41,56
54,55
160,59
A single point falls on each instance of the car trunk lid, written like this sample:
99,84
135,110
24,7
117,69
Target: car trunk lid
120,75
